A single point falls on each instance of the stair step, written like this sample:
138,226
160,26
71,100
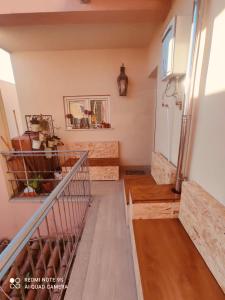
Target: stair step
153,193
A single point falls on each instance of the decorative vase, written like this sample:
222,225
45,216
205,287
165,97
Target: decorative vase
35,127
36,144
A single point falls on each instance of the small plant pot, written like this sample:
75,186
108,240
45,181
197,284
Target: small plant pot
51,144
42,137
48,153
28,192
58,175
47,187
35,127
36,144
56,142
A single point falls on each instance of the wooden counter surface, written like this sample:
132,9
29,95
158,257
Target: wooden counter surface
170,265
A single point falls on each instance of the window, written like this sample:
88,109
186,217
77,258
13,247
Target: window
6,71
87,112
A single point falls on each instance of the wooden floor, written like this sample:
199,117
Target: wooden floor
171,267
103,269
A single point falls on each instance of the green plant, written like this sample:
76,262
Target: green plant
55,137
44,125
50,138
69,116
35,183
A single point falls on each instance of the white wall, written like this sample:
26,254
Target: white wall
168,120
43,78
207,145
207,163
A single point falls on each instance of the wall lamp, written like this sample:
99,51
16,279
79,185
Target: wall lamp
122,81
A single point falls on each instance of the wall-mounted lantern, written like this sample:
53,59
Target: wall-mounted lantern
122,81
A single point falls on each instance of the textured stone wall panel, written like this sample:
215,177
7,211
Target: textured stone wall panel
203,217
156,210
96,149
162,170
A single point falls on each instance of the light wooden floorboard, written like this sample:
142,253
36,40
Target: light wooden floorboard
106,272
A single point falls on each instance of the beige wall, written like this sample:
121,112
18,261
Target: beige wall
13,215
43,78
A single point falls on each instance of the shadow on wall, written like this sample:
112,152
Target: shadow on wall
206,162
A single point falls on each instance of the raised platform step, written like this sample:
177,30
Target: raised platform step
161,193
170,266
144,199
133,180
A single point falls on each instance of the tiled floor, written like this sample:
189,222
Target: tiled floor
103,269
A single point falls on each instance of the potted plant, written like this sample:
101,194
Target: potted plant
70,117
44,125
36,143
28,192
33,187
35,183
35,124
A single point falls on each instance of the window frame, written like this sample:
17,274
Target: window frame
87,99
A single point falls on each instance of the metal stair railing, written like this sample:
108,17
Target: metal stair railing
44,248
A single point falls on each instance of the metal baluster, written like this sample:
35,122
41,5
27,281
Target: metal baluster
30,259
41,247
73,203
64,208
50,243
70,221
57,235
43,260
22,291
61,223
72,209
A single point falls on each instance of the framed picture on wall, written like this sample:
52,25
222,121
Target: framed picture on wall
87,112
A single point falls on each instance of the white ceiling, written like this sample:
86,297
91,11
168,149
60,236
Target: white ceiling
76,36
100,24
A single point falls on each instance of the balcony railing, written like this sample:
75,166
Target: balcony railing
36,263
37,173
